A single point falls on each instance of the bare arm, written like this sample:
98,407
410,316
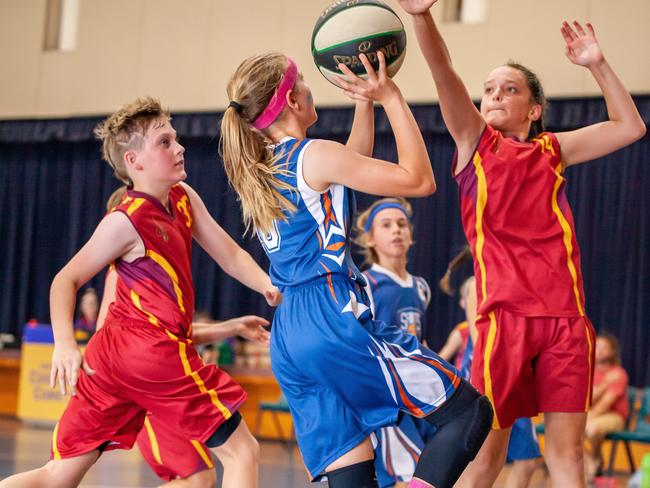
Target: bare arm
113,238
624,125
463,120
451,347
362,134
227,253
328,162
250,327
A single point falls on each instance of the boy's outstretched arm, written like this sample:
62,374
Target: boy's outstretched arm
227,253
463,120
114,237
624,126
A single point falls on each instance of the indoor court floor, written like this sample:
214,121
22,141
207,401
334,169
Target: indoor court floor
26,447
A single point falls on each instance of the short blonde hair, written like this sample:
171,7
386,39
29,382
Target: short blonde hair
369,254
125,130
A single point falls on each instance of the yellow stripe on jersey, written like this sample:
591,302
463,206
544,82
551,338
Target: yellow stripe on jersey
182,351
135,205
135,298
202,452
487,377
589,380
152,440
567,236
481,201
164,264
55,449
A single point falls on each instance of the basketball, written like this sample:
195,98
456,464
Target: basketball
349,28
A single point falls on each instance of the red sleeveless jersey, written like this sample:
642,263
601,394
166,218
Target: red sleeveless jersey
157,288
520,227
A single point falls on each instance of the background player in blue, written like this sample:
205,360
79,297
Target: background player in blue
384,233
344,374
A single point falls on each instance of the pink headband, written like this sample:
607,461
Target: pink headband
279,98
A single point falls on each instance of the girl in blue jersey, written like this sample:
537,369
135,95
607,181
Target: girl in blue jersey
384,232
344,374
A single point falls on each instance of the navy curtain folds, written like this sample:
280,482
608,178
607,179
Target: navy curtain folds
53,188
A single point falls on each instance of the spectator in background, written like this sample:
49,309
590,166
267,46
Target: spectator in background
86,322
610,407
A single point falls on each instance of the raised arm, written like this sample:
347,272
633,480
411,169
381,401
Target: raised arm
362,134
114,237
463,120
624,125
328,162
227,253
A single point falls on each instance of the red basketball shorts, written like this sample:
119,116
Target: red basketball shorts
527,365
142,368
170,455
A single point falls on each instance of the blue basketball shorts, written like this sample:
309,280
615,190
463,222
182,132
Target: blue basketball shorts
346,375
523,441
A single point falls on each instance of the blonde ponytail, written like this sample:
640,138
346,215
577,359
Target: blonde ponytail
248,158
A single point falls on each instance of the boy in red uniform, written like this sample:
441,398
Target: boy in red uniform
143,359
535,345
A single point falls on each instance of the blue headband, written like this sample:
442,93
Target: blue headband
379,208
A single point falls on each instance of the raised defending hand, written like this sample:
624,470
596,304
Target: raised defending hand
581,47
378,87
273,296
415,7
251,327
66,361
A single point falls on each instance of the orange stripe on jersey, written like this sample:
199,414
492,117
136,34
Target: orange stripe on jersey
455,379
187,369
202,452
155,450
135,205
462,326
481,201
164,264
568,234
55,449
336,246
405,399
135,298
320,239
487,377
590,379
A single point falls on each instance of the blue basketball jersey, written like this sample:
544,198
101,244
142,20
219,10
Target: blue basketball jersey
397,301
314,240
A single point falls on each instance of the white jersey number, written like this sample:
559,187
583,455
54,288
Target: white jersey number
270,240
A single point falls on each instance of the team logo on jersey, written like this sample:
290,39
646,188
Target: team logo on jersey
410,320
161,232
270,240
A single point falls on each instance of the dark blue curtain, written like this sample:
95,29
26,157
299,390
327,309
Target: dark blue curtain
53,186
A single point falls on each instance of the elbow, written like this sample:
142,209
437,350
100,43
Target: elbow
641,131
426,188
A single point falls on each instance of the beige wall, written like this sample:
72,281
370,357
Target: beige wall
183,51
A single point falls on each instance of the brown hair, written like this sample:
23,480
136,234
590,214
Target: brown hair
537,96
613,343
248,158
125,130
369,254
460,258
116,198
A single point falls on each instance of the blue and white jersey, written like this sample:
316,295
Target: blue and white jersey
314,240
397,301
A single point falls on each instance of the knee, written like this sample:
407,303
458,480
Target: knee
565,453
593,432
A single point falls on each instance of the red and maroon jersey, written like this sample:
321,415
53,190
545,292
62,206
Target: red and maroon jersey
157,288
520,227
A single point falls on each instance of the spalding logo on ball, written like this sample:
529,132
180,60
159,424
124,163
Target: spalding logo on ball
348,28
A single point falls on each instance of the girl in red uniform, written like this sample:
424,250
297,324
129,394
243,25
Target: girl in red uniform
143,358
534,351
